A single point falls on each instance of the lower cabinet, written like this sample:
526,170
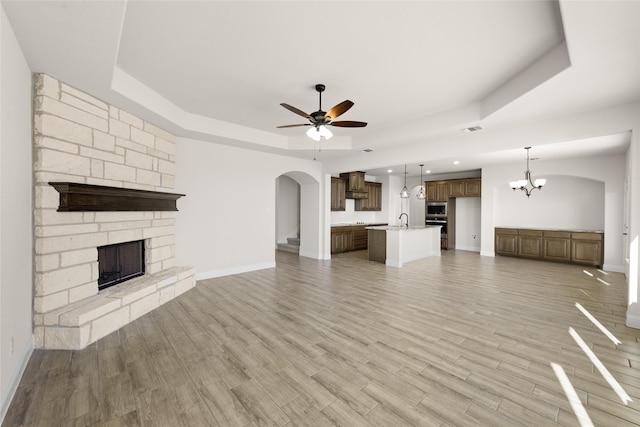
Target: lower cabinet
341,240
530,243
506,241
556,246
551,245
350,238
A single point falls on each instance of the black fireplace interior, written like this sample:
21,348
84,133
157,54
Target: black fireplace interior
120,262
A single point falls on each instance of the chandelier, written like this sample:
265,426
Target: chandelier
527,184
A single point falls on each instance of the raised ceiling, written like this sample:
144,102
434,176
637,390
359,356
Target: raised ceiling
417,70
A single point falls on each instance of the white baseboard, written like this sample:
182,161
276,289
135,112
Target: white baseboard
614,268
632,321
15,381
488,253
234,270
468,248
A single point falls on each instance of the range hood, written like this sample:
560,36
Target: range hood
356,188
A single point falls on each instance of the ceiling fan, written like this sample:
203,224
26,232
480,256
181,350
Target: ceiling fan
319,119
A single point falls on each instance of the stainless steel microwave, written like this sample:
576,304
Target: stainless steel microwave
436,209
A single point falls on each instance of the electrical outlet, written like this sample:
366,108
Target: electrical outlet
11,346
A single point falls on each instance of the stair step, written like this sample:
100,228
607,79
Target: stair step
289,248
293,241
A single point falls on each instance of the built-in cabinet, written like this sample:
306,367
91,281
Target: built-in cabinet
577,247
441,191
448,191
342,189
341,239
374,200
338,192
355,185
470,187
345,238
437,191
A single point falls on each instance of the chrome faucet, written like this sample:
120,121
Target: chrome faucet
400,218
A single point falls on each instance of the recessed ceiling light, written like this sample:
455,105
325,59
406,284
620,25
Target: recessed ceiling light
428,171
472,129
389,170
456,162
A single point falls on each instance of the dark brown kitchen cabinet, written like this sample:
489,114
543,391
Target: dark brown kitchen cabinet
437,191
355,185
467,187
587,248
529,243
360,237
506,242
338,191
556,246
576,247
374,200
341,239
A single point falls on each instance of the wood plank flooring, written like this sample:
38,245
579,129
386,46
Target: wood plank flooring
454,340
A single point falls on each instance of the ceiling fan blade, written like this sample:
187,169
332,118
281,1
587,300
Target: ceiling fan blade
348,124
293,126
339,109
295,110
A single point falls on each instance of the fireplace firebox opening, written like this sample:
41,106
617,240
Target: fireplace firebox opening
120,262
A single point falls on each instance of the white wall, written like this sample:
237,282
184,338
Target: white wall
226,222
287,208
632,263
468,223
16,249
552,208
565,202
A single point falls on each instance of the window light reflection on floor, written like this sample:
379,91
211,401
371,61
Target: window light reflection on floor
572,396
603,272
602,281
587,273
599,325
617,388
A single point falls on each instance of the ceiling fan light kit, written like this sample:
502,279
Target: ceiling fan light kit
321,119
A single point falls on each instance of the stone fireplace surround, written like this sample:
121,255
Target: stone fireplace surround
78,138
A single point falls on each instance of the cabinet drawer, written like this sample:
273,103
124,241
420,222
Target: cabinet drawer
557,234
533,233
587,236
507,231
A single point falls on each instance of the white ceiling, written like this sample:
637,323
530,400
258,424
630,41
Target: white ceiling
416,70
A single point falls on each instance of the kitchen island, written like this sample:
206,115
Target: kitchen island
395,245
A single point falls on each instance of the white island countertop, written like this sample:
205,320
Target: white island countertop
400,244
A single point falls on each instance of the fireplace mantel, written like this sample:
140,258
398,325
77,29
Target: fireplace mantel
76,197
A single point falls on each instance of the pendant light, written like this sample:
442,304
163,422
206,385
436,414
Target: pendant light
421,195
405,191
523,184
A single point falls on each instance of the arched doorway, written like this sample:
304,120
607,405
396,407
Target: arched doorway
298,213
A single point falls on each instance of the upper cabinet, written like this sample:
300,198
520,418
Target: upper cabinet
468,187
441,191
437,191
355,185
374,200
338,191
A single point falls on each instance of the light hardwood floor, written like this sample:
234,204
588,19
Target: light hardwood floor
452,340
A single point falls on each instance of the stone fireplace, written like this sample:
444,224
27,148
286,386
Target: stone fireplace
79,139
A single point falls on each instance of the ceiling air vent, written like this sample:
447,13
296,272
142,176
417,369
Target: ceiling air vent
472,129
